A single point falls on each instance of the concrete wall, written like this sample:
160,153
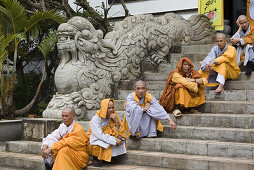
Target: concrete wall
10,130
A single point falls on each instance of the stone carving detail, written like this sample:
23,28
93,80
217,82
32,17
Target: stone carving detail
90,64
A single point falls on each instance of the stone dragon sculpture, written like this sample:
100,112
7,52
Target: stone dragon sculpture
91,64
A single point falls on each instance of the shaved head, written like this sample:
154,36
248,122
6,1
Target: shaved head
139,82
221,35
69,110
243,22
140,89
242,17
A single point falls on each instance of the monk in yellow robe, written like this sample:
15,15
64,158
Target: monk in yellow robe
67,147
220,64
184,88
107,134
243,40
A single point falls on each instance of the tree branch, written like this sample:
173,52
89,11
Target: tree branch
84,4
125,8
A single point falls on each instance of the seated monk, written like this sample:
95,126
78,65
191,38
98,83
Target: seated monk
143,113
67,147
107,134
243,39
184,89
220,64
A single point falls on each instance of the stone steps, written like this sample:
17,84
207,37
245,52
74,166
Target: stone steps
229,85
15,161
210,133
149,76
140,160
10,168
235,107
230,95
168,145
204,133
230,107
226,95
157,156
196,49
190,162
194,147
205,120
216,120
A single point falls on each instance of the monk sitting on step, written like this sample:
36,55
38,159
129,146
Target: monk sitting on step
220,64
184,89
107,134
243,39
143,113
67,147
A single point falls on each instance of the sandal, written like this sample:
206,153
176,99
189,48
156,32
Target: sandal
177,113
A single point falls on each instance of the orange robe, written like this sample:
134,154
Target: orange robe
185,95
248,13
71,152
227,65
98,151
249,39
179,90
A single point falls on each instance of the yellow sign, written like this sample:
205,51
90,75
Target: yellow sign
213,9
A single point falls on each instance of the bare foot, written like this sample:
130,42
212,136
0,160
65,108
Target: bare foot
219,89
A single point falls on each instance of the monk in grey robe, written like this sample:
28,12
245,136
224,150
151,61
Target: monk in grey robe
243,40
143,113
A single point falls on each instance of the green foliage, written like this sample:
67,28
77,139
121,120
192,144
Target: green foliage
38,16
16,26
24,90
13,16
47,43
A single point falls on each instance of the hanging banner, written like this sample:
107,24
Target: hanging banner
213,9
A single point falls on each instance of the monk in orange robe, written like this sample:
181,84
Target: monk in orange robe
220,64
107,134
184,88
67,147
243,39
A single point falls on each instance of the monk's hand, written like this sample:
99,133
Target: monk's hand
206,68
172,124
239,26
209,66
118,142
235,40
237,23
115,119
113,116
44,152
147,106
191,80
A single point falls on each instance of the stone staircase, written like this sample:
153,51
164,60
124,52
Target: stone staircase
221,138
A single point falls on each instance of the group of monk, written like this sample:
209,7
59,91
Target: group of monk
69,147
185,87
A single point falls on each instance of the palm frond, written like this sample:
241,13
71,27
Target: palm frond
13,16
47,43
38,16
7,39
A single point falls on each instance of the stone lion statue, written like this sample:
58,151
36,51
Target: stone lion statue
91,64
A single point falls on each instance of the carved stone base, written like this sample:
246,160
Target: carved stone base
37,129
